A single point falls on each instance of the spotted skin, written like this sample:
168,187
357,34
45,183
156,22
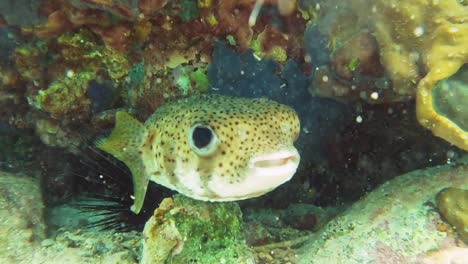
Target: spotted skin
160,149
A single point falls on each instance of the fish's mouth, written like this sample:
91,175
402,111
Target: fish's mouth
281,164
264,173
276,160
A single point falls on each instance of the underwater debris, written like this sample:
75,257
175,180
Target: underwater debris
253,137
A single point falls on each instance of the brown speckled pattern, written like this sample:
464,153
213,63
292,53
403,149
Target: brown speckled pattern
245,128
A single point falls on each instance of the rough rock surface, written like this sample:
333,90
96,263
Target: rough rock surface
21,217
396,223
23,232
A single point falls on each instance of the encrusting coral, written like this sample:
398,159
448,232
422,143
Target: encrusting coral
420,44
452,203
428,37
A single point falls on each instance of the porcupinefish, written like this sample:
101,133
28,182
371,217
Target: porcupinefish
208,147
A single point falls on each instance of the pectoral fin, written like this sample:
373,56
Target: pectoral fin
124,143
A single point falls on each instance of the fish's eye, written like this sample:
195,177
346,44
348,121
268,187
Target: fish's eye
201,136
202,139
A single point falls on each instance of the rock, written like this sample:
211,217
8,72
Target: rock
395,223
47,242
21,215
23,232
183,230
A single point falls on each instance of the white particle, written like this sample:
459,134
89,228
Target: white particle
390,110
255,11
450,154
374,96
242,72
453,29
419,31
359,119
70,73
325,78
101,177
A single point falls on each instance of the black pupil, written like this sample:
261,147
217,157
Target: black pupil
201,136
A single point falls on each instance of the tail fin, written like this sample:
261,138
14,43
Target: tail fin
124,143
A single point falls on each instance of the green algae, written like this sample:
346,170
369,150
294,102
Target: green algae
81,52
65,95
212,232
187,80
183,230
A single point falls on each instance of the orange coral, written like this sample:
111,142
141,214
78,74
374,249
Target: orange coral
233,19
117,37
94,14
57,23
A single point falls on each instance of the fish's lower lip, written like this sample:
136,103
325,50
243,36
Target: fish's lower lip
277,159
